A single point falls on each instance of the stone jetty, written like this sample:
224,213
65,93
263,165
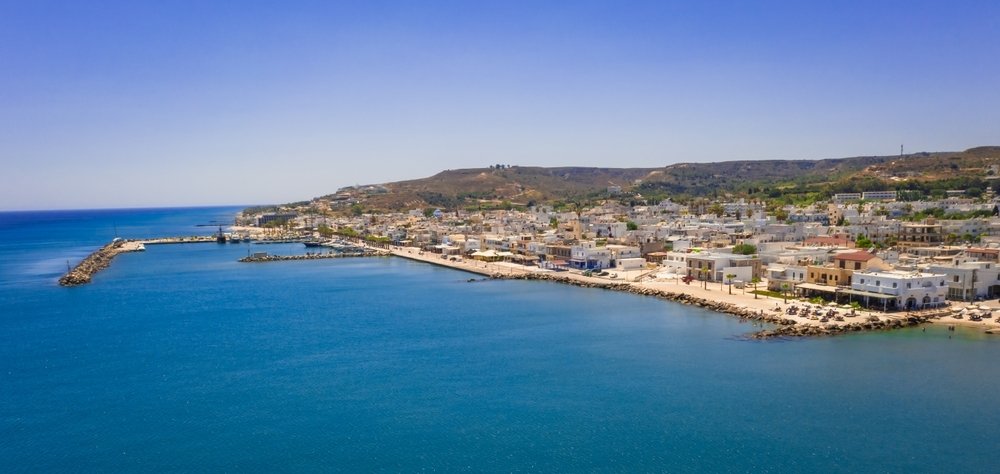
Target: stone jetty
95,262
309,256
102,257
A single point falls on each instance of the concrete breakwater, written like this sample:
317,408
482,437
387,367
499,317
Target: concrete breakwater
196,239
311,256
785,327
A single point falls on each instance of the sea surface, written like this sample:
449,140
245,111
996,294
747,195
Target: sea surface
182,359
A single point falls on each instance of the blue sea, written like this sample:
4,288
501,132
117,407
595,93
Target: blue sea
182,359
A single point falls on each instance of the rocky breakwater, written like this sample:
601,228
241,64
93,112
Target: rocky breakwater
785,327
95,262
309,256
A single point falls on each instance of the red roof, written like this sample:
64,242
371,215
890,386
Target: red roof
993,251
860,256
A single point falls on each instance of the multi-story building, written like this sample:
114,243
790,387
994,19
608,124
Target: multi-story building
920,235
715,266
879,195
968,281
890,290
784,277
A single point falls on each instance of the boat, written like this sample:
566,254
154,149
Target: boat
220,237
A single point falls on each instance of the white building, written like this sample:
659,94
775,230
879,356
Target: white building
968,281
878,195
790,275
899,290
588,256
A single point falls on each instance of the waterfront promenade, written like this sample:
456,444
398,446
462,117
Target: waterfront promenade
741,302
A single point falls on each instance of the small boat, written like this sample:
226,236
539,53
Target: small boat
220,237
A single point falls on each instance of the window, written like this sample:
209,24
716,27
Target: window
909,285
878,283
956,278
894,285
857,265
862,281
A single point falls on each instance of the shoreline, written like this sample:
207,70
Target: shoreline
745,306
762,308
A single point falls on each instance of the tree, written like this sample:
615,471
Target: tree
325,231
863,242
730,276
716,209
784,291
754,281
631,225
781,215
745,249
553,222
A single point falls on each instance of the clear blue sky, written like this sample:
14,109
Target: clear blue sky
143,103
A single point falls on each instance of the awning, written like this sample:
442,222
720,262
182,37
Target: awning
868,294
815,287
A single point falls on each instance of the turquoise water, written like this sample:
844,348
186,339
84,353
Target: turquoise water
182,359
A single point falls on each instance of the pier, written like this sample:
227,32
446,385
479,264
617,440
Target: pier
311,256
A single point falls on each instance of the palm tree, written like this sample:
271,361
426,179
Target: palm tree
755,281
784,291
730,276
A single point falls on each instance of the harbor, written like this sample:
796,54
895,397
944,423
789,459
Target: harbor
793,319
83,273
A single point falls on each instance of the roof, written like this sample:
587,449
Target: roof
860,256
867,293
981,250
812,286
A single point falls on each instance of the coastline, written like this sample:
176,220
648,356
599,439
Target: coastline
737,303
745,306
